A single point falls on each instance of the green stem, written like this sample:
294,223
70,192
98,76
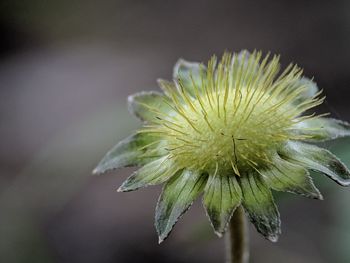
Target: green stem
237,238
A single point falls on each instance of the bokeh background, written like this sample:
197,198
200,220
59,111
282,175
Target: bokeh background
66,68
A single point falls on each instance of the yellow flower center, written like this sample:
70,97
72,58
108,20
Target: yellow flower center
237,134
236,117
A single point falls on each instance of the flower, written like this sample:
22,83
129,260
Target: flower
233,131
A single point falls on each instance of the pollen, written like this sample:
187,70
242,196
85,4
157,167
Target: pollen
235,116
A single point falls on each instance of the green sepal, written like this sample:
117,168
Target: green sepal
167,87
317,159
189,75
260,206
322,129
288,177
309,92
148,106
246,63
153,173
128,152
222,196
177,196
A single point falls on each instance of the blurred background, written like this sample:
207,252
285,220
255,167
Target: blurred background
66,68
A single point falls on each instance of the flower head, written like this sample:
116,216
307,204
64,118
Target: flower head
233,131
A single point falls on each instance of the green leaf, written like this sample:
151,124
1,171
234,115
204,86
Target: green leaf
222,196
258,202
177,196
148,106
310,91
152,173
321,129
189,74
288,177
128,152
318,159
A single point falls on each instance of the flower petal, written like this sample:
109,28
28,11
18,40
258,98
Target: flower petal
310,91
147,106
289,177
258,202
155,172
128,152
221,197
190,74
321,129
318,159
177,196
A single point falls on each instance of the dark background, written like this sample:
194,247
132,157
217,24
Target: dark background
66,68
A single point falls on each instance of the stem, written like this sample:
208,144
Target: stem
237,238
